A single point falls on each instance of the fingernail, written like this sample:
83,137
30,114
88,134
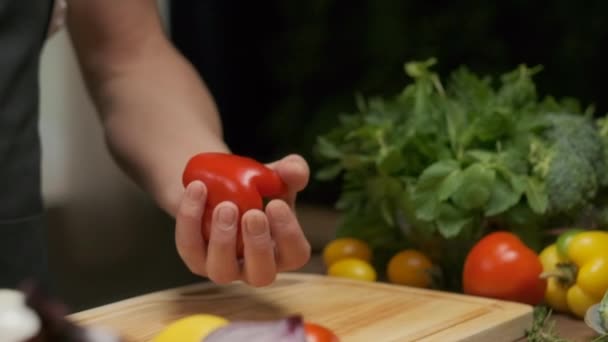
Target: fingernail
226,217
195,191
255,226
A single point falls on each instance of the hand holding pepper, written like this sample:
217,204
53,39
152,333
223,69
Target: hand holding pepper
213,232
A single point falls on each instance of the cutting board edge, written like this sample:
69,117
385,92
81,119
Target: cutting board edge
168,294
174,293
512,328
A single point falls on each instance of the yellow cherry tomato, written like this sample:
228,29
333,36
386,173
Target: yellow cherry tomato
343,248
353,268
411,268
191,328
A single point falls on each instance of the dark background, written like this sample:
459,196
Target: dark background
281,71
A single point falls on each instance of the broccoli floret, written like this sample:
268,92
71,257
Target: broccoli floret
582,135
571,161
602,129
571,181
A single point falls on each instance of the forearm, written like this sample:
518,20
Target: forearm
155,110
156,115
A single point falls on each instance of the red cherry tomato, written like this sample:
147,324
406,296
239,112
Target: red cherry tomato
501,266
229,177
319,333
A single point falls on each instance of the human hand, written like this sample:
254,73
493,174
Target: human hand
273,239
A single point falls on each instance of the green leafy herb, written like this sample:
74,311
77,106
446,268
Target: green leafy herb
543,328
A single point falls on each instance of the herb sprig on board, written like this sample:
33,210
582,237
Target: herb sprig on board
445,161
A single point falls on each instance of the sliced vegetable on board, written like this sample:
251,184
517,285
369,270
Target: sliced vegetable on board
211,328
289,329
319,333
192,328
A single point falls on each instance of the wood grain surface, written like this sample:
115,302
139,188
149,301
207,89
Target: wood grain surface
357,311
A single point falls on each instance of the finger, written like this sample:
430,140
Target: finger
292,248
259,267
294,171
222,264
188,235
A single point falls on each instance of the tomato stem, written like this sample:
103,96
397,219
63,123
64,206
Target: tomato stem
564,272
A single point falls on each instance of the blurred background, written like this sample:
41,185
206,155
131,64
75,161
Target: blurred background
281,72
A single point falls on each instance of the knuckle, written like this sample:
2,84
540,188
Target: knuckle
189,211
262,281
297,258
292,233
259,243
221,238
222,278
298,263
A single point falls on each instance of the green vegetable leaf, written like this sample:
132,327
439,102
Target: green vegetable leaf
391,161
451,220
492,125
387,212
431,176
476,187
536,196
419,69
327,149
450,184
481,155
503,197
329,172
426,196
427,205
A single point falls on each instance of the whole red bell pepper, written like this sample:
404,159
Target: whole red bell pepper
228,177
502,266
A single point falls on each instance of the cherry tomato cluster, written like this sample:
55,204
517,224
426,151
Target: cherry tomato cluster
352,258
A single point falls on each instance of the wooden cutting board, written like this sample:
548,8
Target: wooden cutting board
356,311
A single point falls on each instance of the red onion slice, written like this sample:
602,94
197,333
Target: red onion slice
290,329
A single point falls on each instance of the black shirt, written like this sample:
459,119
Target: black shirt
23,31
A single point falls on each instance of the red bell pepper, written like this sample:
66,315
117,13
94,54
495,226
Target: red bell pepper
229,177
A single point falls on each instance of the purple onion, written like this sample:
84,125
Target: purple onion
290,329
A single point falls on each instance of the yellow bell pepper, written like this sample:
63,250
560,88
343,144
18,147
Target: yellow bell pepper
576,270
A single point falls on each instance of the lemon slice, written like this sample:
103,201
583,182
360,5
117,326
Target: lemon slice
191,328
